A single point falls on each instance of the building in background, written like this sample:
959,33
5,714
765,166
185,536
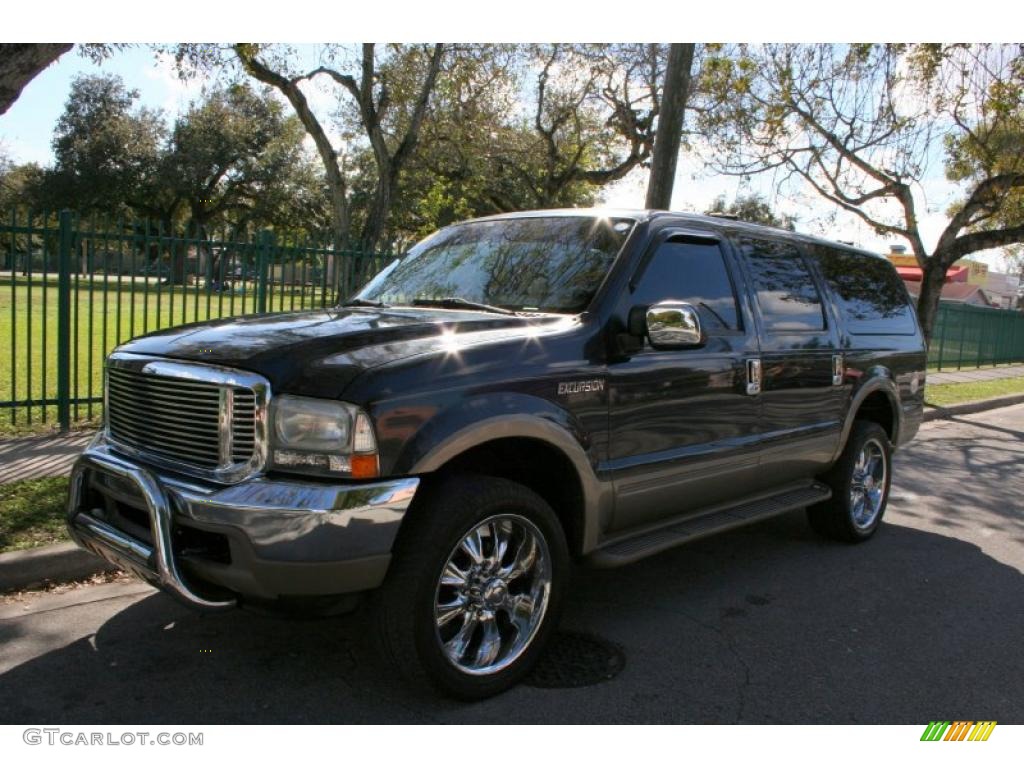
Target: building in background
967,282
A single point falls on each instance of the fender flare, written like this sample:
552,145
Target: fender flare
880,382
597,496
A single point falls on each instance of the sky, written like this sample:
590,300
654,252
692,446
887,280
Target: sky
26,131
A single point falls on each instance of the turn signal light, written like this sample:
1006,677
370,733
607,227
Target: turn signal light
364,465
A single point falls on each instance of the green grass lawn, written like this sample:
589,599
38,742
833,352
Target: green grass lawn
102,316
952,394
32,513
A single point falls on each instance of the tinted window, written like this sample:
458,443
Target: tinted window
869,293
694,273
785,290
552,264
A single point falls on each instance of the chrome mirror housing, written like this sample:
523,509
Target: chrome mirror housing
674,325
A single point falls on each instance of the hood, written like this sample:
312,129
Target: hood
318,353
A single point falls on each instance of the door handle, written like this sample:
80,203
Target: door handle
837,370
753,376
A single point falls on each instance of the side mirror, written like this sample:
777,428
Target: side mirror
673,325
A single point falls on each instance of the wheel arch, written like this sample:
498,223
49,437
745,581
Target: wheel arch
876,400
537,453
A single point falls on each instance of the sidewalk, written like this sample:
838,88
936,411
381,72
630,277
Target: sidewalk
27,458
976,374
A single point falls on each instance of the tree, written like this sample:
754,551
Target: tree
594,113
991,150
228,150
860,125
480,152
540,126
752,207
108,152
670,125
371,92
20,63
21,186
232,158
226,154
431,134
20,196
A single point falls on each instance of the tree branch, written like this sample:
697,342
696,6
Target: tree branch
408,142
980,241
984,197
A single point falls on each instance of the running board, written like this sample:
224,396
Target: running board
651,542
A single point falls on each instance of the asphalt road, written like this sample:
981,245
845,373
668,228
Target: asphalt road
763,625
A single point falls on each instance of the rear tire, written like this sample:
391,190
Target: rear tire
860,482
475,587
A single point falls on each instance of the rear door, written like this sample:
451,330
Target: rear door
683,430
801,417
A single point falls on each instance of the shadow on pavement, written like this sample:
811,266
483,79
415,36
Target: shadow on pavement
767,624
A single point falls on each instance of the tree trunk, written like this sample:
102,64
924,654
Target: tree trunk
932,279
373,231
178,256
20,63
377,216
341,229
670,125
335,178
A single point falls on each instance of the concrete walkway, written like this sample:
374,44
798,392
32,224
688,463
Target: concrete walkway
26,458
976,374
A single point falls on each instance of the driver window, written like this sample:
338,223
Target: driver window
694,273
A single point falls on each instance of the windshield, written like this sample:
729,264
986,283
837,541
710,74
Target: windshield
544,264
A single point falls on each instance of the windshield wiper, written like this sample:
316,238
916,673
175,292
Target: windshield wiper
454,302
365,303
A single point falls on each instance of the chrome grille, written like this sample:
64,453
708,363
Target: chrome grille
243,425
187,416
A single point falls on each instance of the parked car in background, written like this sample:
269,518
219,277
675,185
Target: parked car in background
515,394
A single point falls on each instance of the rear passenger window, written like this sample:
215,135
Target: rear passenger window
785,290
871,299
694,273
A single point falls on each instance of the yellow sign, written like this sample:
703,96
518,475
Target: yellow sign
977,272
903,260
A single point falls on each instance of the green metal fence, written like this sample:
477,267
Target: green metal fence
72,289
968,337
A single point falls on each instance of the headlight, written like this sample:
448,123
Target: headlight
322,436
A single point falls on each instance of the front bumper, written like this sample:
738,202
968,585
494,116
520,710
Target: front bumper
209,545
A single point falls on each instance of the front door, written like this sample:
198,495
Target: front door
683,431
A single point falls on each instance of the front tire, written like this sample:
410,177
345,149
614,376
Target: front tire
860,483
475,587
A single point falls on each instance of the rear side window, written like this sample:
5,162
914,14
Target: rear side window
694,273
785,290
871,299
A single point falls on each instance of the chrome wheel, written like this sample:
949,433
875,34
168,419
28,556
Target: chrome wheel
868,484
492,594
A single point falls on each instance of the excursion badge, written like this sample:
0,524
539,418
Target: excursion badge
578,387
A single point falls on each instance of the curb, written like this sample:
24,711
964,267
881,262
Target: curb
933,413
55,563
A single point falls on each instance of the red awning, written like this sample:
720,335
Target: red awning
954,275
912,274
